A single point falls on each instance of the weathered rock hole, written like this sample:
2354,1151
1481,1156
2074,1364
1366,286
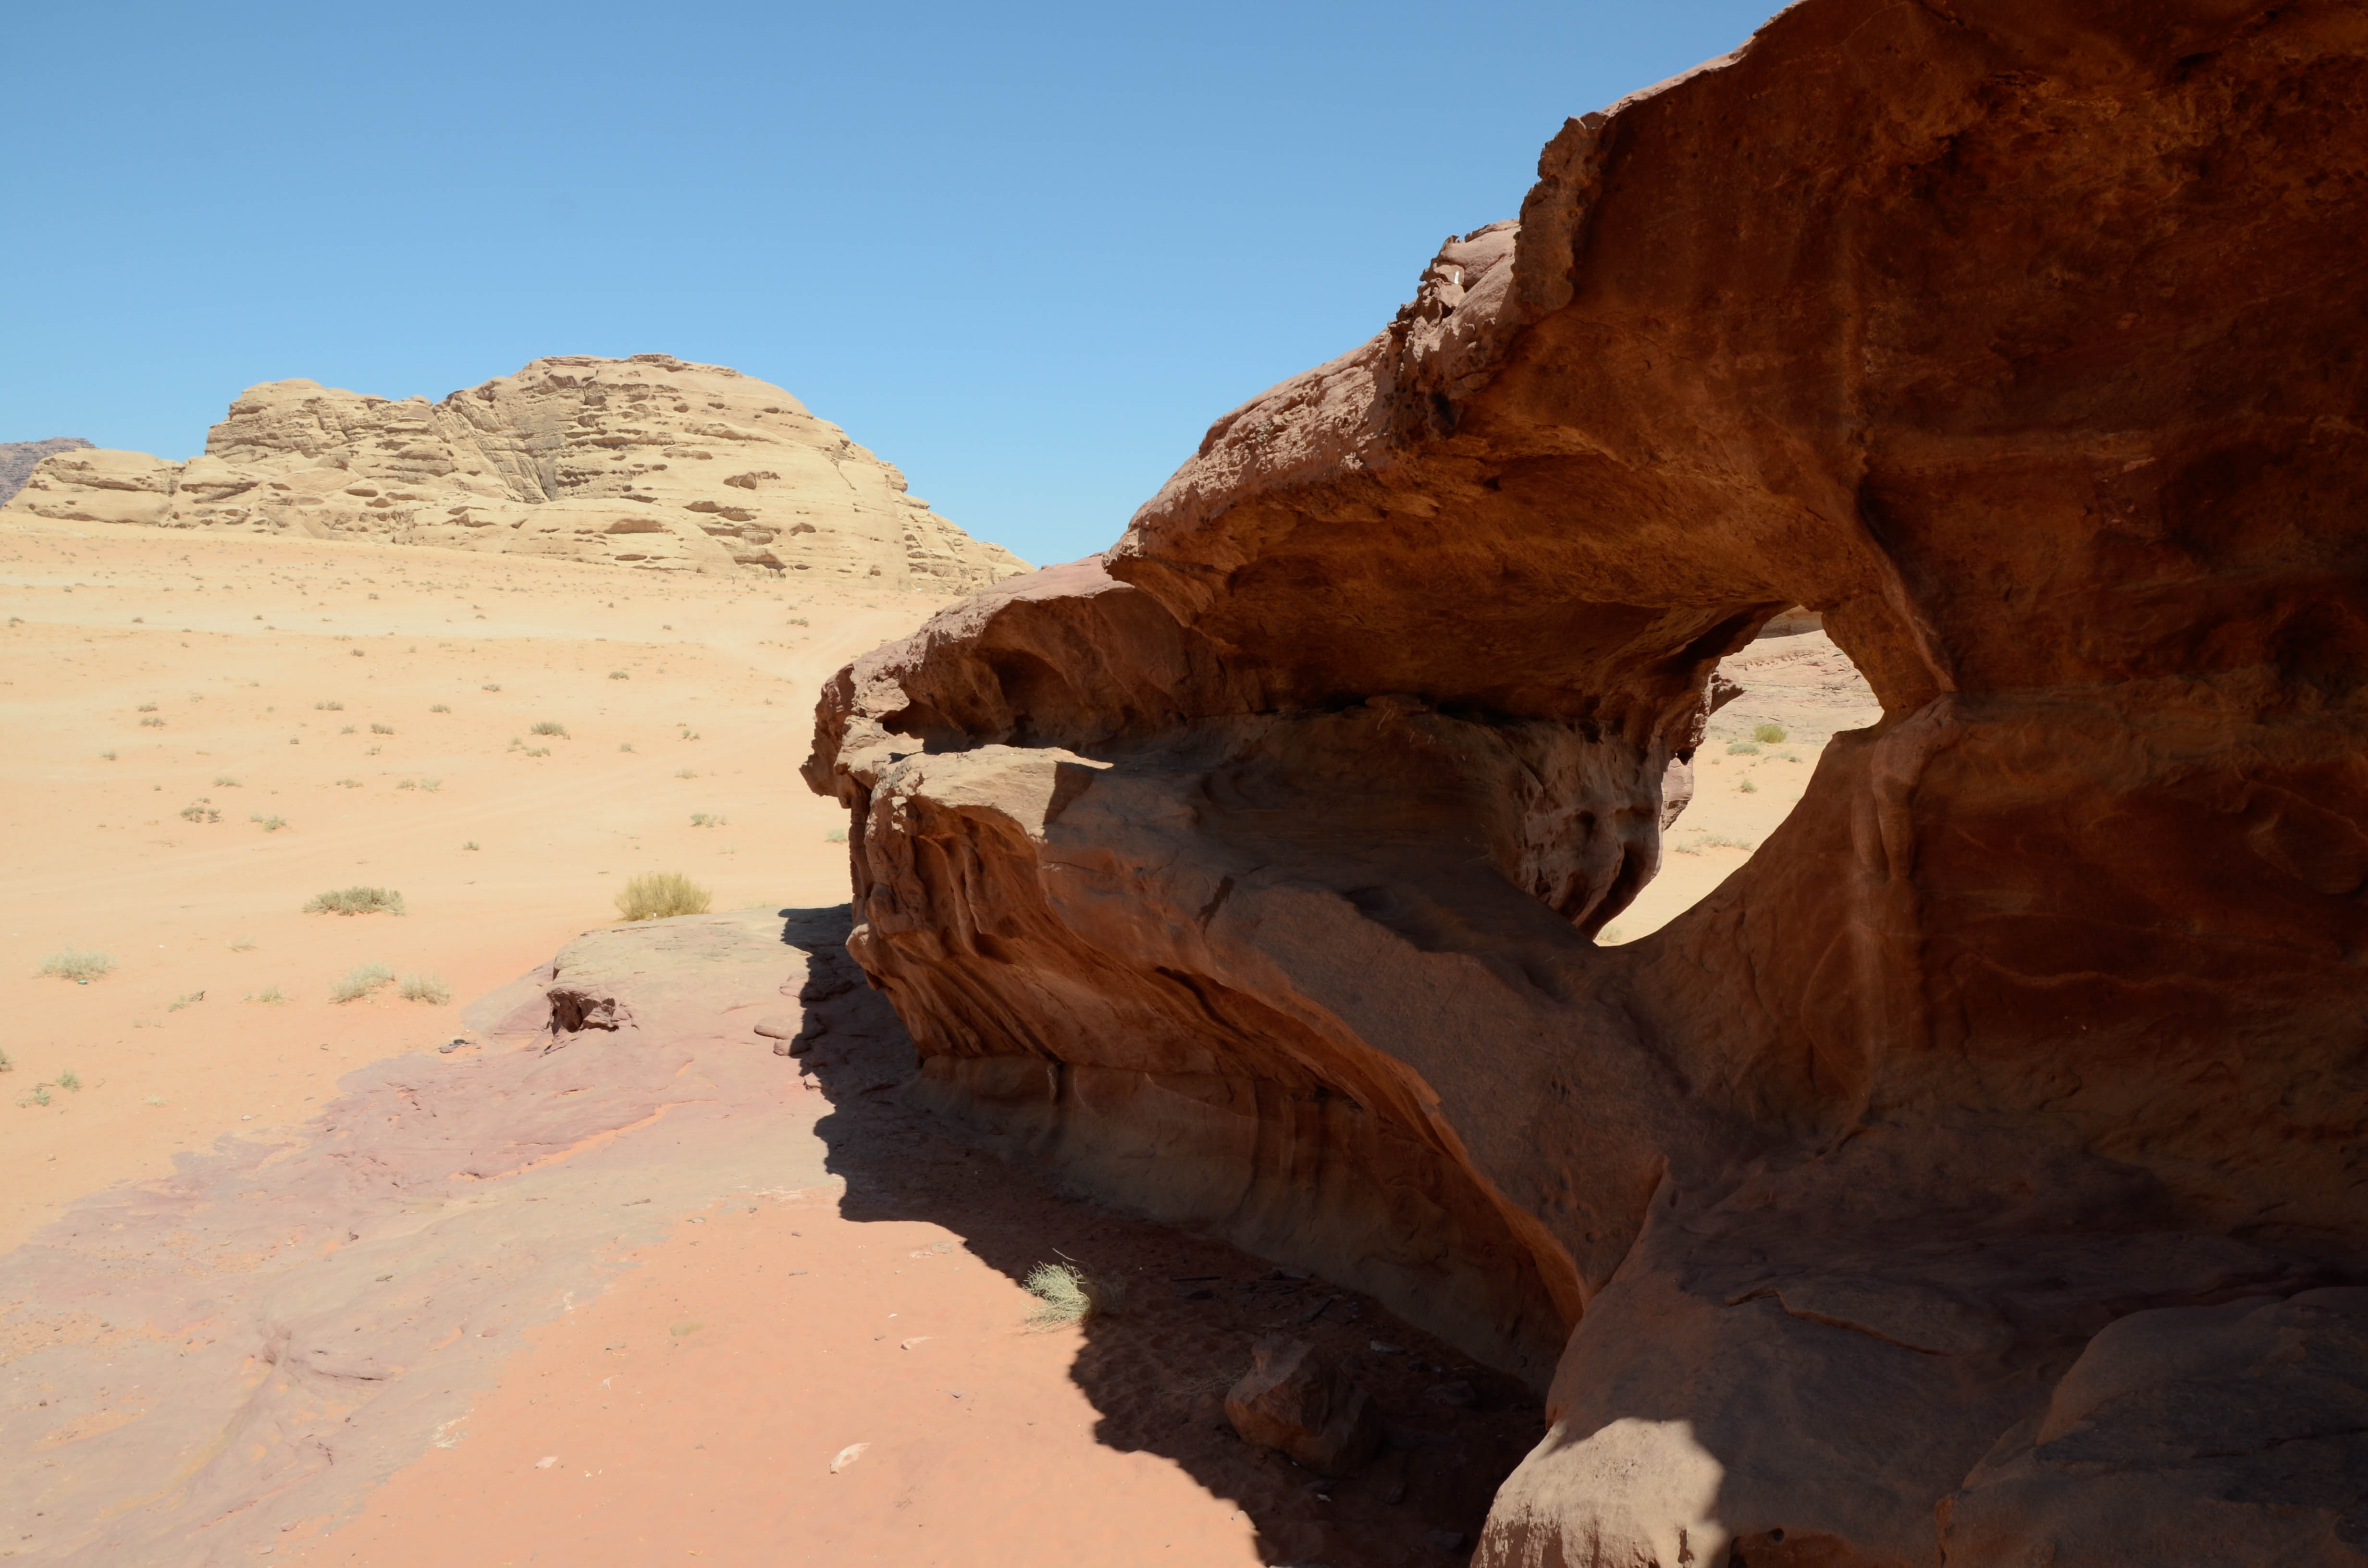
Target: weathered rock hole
1796,680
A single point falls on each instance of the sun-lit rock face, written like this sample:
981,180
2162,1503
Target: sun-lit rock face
1980,1171
648,461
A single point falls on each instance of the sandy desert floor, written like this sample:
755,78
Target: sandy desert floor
279,1279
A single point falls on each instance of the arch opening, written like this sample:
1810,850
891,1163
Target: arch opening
1796,690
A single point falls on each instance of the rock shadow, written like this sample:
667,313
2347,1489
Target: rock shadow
1158,1371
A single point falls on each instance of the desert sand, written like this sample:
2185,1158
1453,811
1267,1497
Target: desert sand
280,1278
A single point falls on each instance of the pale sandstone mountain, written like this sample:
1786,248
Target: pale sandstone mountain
649,461
18,459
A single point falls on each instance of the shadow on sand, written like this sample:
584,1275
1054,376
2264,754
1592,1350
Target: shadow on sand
1157,1371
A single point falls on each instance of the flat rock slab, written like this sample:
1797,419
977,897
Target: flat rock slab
198,1364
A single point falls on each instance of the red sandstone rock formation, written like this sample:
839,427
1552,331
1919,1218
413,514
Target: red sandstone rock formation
1978,1173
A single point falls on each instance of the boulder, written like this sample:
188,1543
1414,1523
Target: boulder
1294,1399
1249,871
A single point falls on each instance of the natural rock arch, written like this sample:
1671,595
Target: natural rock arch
2014,1091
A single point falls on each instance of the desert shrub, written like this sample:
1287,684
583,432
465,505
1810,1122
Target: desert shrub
348,730
329,707
1066,1292
70,1079
77,963
705,819
178,1003
405,784
471,845
270,823
107,754
1747,788
381,729
270,994
41,1095
546,727
147,708
620,675
151,723
357,900
225,782
426,988
685,773
197,810
1767,735
655,895
537,751
836,835
1741,748
361,981
442,708
349,783
624,746
491,686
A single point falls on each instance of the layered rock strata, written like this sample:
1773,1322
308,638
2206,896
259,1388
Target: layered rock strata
650,461
18,459
1977,1175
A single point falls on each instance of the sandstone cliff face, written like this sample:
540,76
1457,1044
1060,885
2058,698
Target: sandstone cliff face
648,461
18,459
1979,1175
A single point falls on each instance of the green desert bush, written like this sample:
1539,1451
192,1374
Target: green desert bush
426,988
77,963
655,895
836,835
705,819
70,1079
361,981
1741,748
197,810
328,707
381,729
546,727
1747,788
1767,735
356,900
225,782
442,708
270,994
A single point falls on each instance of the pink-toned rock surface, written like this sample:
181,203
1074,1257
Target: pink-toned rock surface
1941,1181
201,1365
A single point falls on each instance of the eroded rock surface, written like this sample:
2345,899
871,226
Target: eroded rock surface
18,459
650,461
1997,1130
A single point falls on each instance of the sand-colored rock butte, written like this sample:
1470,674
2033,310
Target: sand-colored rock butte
1979,1175
18,459
650,461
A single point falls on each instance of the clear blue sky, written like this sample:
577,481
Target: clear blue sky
1027,252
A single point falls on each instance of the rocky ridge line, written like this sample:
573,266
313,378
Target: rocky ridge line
650,463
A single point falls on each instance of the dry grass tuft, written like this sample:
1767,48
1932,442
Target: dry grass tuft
426,988
655,895
1068,1292
361,981
77,964
355,900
